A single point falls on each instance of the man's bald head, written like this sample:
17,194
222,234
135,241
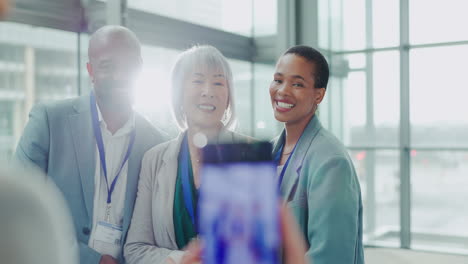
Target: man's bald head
114,63
112,37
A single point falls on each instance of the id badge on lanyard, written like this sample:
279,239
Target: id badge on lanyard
108,239
108,233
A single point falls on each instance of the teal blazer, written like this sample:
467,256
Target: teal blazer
59,140
322,190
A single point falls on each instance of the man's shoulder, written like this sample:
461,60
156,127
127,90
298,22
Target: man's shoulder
56,112
64,106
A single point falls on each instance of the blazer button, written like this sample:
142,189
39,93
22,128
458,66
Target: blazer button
86,231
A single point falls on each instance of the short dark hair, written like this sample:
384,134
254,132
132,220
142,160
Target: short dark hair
313,56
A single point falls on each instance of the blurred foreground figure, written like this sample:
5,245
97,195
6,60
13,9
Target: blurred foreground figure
36,226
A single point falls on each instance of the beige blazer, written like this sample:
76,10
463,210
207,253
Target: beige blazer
151,237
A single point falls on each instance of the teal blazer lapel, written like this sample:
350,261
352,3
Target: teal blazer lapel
291,175
84,144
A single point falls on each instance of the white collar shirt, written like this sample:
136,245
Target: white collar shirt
115,147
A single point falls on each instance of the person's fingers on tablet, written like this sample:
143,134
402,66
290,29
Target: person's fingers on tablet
192,253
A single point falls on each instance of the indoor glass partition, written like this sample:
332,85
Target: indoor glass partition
37,65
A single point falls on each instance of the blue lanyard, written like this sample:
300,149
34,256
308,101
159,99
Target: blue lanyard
278,159
185,173
102,154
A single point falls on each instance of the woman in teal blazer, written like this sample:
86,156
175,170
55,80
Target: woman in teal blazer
316,175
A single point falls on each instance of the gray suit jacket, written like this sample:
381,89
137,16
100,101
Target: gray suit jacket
323,192
59,140
151,237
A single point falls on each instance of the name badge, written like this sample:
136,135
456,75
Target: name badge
108,233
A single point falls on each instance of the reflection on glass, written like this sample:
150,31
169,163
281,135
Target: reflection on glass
438,96
438,21
220,14
439,196
378,173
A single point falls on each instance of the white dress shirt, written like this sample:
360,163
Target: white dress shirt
115,147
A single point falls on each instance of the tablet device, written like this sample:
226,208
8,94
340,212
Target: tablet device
238,204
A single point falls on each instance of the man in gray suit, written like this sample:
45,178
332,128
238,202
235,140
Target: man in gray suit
92,146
